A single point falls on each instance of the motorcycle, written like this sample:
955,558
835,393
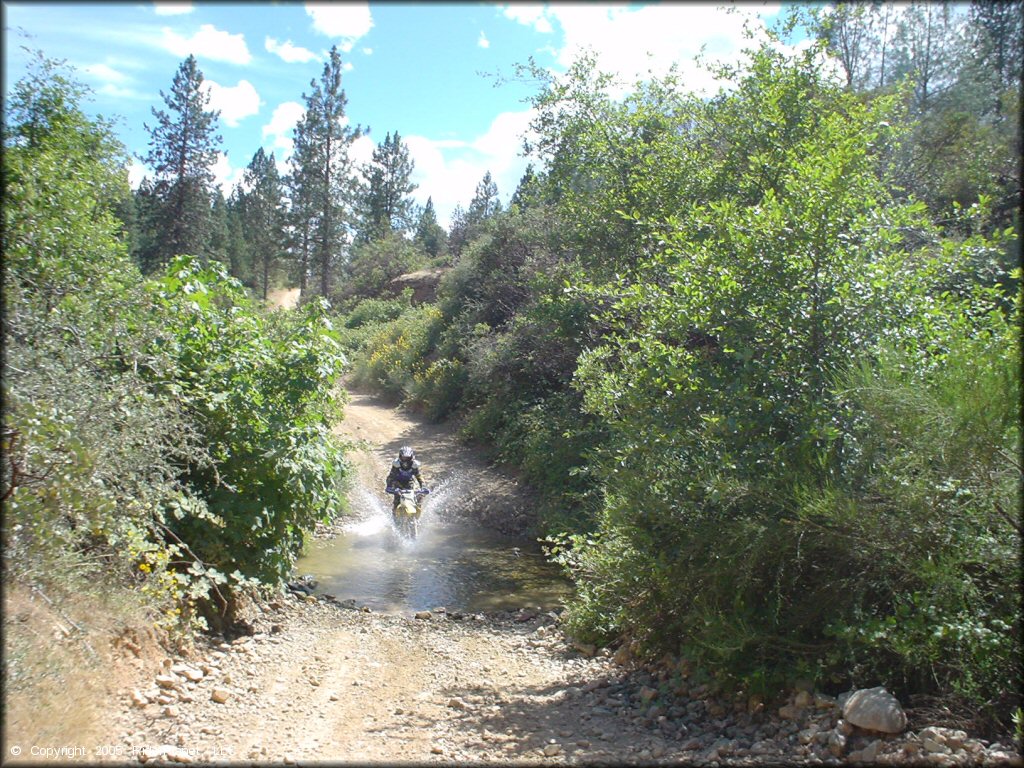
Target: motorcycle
406,514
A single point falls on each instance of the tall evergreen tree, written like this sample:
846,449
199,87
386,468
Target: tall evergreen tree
239,256
996,32
387,206
458,232
144,242
264,216
485,202
430,236
218,247
528,192
323,171
301,216
183,149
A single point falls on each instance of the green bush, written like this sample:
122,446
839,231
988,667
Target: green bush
397,352
715,377
260,389
927,509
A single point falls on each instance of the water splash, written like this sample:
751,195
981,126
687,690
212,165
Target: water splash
452,562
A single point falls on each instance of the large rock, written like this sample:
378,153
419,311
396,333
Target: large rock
423,283
876,710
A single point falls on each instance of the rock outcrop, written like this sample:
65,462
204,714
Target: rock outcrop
423,283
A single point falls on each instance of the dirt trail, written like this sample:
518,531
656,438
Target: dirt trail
322,683
318,682
487,497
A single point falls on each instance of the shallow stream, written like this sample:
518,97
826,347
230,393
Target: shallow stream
452,563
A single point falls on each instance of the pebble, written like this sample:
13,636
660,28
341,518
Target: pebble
220,695
167,681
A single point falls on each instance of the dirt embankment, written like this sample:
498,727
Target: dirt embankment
319,683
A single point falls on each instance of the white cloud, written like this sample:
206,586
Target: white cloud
112,82
137,172
448,170
632,42
225,175
483,42
368,51
530,15
208,43
234,102
281,125
347,21
121,92
172,9
106,73
288,52
361,152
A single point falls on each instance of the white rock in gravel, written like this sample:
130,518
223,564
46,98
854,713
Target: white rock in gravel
552,749
138,699
166,681
875,709
934,746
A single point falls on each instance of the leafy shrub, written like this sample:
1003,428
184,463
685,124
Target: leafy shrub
438,390
90,455
259,388
927,514
398,352
715,379
374,311
375,264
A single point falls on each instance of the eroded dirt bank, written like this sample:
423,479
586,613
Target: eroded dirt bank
318,682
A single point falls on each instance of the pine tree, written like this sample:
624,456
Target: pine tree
183,149
220,237
528,192
387,206
996,33
322,182
485,202
300,184
239,255
145,240
264,216
458,232
430,236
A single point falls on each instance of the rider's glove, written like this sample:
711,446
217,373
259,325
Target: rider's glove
389,489
424,490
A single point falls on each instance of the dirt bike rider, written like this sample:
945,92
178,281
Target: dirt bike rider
404,470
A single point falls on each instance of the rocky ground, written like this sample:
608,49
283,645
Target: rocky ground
320,682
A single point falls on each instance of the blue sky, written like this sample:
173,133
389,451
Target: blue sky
425,70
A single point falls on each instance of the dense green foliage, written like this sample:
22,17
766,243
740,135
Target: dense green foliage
758,351
169,434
